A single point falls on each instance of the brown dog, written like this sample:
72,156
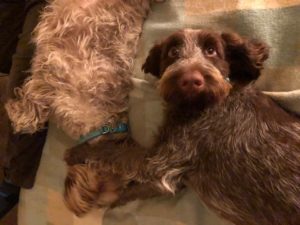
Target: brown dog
226,140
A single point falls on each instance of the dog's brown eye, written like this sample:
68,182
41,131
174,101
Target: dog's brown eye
173,52
210,51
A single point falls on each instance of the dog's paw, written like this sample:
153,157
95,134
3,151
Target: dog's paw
87,188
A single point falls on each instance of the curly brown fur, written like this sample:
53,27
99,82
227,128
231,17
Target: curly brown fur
230,143
81,80
127,155
86,188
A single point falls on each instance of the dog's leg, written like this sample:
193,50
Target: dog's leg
119,158
131,162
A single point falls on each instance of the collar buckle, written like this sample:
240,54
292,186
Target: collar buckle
104,130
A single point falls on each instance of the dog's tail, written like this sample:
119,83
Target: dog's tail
86,188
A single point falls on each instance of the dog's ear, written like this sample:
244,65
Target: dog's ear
152,63
245,57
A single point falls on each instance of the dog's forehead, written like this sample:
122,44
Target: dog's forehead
198,34
190,36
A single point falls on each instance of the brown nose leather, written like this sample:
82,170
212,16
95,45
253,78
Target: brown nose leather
191,81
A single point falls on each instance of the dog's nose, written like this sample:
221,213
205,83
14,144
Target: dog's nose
191,82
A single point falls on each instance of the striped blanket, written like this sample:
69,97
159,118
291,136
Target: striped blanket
277,22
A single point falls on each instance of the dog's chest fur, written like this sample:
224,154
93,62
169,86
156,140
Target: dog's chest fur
244,153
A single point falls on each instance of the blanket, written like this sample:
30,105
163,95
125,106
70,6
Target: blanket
277,22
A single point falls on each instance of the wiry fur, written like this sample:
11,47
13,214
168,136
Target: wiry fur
81,80
89,189
82,66
237,149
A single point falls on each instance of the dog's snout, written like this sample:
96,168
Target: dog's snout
191,82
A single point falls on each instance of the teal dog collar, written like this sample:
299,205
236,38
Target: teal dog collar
106,129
